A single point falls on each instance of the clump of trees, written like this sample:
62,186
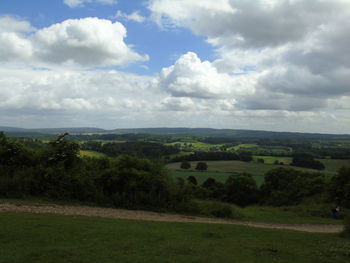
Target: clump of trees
307,161
148,150
57,171
339,188
289,186
201,166
185,165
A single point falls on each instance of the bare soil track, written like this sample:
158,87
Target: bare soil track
160,217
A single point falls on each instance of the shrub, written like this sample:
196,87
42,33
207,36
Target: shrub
185,165
346,231
216,209
201,166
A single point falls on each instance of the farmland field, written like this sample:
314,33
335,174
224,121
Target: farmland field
202,176
52,238
220,170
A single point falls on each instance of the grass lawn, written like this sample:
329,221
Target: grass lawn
52,238
301,214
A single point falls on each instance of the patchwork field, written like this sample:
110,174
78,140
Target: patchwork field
220,170
52,238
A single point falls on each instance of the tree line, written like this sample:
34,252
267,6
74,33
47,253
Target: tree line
57,171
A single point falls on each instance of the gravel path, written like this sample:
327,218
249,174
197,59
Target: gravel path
162,217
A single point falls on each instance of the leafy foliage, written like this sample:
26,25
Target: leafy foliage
201,166
307,161
339,188
241,190
289,186
185,165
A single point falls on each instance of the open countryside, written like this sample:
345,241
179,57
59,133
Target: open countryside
175,131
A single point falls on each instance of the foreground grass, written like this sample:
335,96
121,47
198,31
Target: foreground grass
51,238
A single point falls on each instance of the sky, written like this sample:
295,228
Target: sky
280,65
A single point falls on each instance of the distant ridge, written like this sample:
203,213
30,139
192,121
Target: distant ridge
78,130
14,131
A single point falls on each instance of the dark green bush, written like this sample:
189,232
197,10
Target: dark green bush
346,231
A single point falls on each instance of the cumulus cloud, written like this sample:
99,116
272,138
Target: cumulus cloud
12,24
190,77
63,90
81,3
84,42
88,41
14,45
295,52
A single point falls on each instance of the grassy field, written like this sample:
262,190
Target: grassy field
245,146
220,168
195,145
51,238
272,159
202,176
301,214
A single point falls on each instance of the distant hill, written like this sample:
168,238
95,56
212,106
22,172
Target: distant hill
24,132
13,131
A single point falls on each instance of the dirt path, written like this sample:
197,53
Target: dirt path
162,217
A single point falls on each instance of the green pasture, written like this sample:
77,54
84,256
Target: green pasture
47,238
202,176
272,159
334,165
220,170
195,145
237,147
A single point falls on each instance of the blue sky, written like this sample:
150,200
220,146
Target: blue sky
267,64
163,46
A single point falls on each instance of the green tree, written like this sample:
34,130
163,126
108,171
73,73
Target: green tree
192,180
201,166
339,188
241,190
185,165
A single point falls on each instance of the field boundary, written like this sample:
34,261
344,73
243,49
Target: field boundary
158,217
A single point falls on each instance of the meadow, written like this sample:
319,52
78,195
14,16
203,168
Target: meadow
52,238
221,170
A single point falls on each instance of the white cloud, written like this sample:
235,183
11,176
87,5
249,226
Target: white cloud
81,3
84,42
190,77
134,16
66,90
88,41
12,24
293,54
14,47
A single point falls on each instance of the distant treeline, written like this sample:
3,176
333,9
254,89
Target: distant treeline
214,156
139,149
